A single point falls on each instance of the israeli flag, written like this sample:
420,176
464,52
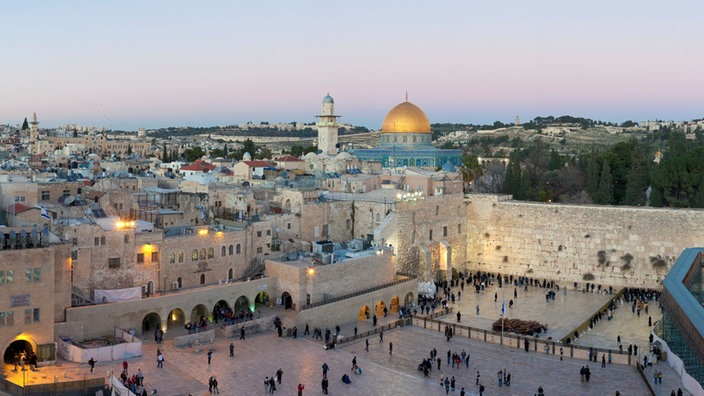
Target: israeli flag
45,214
503,307
203,215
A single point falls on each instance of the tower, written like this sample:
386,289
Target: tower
327,127
34,135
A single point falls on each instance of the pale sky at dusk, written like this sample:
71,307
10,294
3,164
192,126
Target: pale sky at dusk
131,64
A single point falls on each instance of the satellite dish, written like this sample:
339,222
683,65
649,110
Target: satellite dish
277,229
69,200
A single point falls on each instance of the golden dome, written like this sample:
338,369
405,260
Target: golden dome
406,117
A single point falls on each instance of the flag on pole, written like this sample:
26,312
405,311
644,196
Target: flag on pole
45,214
503,307
203,214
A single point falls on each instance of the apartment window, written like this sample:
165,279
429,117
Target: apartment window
259,250
223,251
37,274
20,198
194,255
74,241
46,196
28,316
35,314
140,258
268,232
9,318
238,249
2,278
114,262
102,241
180,256
288,226
444,231
172,258
66,193
127,238
74,254
231,250
211,253
97,241
155,257
28,275
10,277
259,234
202,254
430,236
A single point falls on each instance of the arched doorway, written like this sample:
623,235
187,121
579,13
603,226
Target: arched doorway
230,274
408,299
17,347
150,288
394,305
151,322
364,313
379,309
241,305
202,279
221,311
262,299
286,300
176,319
199,314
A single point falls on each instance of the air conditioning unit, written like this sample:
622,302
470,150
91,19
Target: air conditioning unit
174,285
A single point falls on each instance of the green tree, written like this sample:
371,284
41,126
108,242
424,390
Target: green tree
637,181
605,192
194,153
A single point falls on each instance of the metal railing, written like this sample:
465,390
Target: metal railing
358,293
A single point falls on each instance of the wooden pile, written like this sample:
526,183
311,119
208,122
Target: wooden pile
526,327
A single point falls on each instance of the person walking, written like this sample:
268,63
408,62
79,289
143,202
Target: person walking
477,383
242,333
91,363
300,389
447,385
459,315
232,349
366,345
381,336
160,360
391,348
324,385
325,369
210,355
215,386
279,375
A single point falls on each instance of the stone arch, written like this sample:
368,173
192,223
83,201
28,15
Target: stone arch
408,299
379,308
230,274
198,312
223,251
241,305
151,322
364,313
230,250
202,254
176,319
287,204
262,298
221,310
394,305
18,346
238,248
202,279
286,300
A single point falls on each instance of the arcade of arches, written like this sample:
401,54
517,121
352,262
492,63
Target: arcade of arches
392,307
178,318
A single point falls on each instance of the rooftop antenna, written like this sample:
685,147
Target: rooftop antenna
406,96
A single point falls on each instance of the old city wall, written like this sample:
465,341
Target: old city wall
572,243
99,320
426,225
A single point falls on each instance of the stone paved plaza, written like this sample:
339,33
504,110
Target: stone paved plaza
260,355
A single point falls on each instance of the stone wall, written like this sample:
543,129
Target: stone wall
620,246
347,310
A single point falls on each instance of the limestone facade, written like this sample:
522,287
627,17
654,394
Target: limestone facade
620,246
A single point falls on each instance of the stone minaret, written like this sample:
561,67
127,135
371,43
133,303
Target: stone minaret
327,127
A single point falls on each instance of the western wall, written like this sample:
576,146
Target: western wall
605,245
